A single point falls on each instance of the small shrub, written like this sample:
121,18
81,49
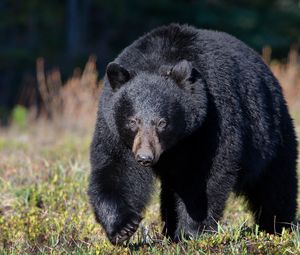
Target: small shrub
19,116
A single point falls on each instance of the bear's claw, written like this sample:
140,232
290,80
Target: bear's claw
125,233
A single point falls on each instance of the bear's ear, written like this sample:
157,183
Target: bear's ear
184,72
117,75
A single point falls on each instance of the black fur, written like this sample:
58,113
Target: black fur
228,130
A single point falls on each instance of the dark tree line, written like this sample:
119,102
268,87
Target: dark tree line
65,33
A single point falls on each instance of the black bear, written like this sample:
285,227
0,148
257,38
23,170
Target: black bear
202,112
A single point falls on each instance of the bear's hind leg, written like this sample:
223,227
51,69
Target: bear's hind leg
273,198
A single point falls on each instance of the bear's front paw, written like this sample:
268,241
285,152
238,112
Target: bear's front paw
125,231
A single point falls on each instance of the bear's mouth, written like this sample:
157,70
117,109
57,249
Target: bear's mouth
146,147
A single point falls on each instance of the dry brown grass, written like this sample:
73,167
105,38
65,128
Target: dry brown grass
288,74
74,103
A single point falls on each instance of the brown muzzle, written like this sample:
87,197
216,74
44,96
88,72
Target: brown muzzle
146,147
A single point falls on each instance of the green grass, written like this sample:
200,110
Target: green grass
44,207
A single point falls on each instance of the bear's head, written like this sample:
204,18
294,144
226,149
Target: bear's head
154,110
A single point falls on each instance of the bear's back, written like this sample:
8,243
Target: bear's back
167,45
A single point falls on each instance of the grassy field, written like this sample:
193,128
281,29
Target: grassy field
44,169
44,207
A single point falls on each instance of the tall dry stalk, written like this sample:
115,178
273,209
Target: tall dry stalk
49,87
73,103
288,75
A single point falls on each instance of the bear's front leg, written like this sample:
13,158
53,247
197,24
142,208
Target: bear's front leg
119,220
194,215
200,208
193,218
118,195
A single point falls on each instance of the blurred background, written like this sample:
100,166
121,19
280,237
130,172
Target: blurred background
53,53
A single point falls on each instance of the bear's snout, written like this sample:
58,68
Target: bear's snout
146,147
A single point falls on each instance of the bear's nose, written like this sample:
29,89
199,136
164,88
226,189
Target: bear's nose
144,160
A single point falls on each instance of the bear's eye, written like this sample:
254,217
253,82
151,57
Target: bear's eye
162,123
133,123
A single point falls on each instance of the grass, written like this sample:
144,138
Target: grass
44,207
